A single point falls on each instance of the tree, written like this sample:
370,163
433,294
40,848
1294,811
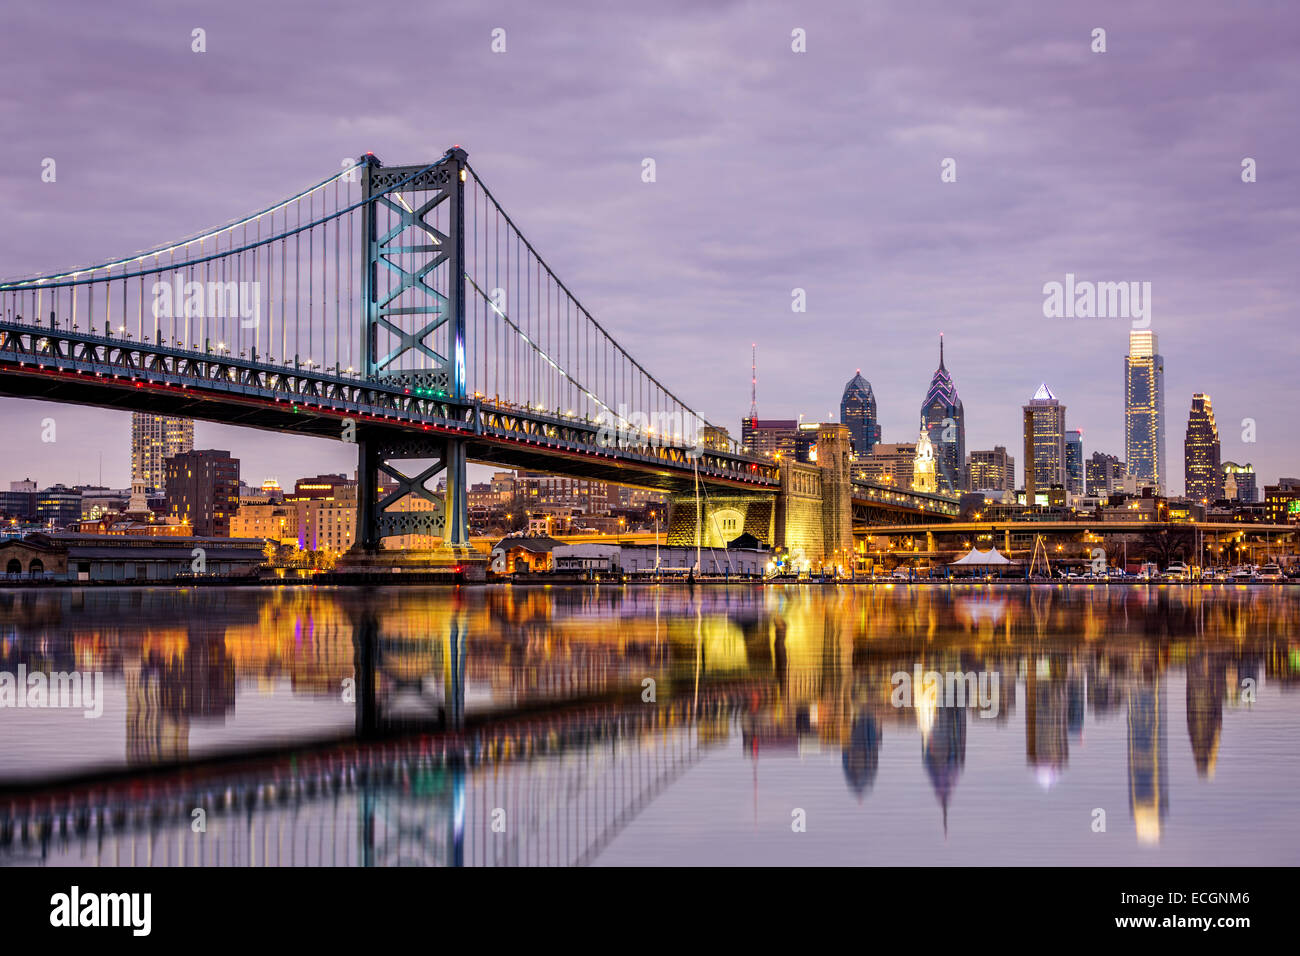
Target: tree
1165,545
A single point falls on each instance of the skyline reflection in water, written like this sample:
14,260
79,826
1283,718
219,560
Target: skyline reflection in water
522,707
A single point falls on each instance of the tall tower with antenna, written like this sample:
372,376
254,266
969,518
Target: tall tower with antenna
753,381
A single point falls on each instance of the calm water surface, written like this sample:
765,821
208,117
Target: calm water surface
508,726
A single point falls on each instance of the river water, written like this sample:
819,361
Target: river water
519,725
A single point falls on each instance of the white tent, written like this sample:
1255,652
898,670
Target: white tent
982,559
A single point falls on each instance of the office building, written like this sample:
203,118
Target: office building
1046,438
1104,474
944,420
1075,479
203,491
154,439
888,464
991,470
1241,479
58,507
1144,410
1203,473
805,442
858,411
1282,503
769,437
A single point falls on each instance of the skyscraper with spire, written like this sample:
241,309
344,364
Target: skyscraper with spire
858,411
773,438
944,419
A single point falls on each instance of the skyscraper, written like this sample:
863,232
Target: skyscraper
154,439
1144,408
1048,417
944,420
1203,474
1075,480
858,411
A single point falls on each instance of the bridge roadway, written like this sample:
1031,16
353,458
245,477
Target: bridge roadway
111,372
77,367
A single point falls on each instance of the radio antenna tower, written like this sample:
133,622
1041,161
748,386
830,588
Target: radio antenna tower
753,380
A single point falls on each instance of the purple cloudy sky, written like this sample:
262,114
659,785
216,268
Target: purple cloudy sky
776,170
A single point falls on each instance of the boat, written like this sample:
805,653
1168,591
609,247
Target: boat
1270,572
1242,575
1176,572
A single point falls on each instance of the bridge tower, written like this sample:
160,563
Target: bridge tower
413,335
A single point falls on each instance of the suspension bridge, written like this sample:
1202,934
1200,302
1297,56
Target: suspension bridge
400,308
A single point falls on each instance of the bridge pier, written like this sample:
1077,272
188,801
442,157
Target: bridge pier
815,506
810,517
404,504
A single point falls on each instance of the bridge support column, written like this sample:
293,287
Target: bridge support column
393,499
413,336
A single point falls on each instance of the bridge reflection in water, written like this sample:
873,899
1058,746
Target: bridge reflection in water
547,793
506,726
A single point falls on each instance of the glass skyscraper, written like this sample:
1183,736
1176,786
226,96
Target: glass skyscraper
944,420
1075,482
1203,474
1144,408
858,411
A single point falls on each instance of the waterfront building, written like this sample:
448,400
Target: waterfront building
125,558
1144,409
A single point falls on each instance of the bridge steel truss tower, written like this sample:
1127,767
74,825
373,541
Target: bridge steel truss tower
414,315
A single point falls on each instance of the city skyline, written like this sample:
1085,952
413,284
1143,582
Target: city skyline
887,254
